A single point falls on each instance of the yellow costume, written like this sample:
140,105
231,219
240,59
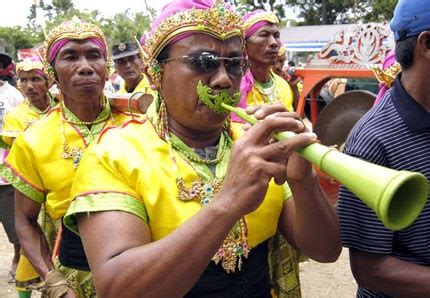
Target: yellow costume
15,122
143,86
277,90
140,181
285,259
36,165
18,119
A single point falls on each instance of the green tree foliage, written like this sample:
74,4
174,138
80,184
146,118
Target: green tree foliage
120,28
318,12
17,38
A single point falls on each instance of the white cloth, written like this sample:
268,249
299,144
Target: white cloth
10,97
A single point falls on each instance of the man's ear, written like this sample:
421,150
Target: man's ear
151,82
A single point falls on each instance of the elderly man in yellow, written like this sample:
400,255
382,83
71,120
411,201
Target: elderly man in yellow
129,65
34,84
42,162
168,207
260,85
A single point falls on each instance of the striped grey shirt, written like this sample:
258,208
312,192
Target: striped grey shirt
396,134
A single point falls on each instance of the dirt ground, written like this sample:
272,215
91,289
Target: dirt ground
318,280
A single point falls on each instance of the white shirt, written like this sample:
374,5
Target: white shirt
10,97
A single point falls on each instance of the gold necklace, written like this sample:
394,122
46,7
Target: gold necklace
201,160
265,94
76,153
86,123
235,246
37,110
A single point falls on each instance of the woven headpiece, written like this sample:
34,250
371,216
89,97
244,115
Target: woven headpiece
28,65
282,51
73,29
218,21
257,16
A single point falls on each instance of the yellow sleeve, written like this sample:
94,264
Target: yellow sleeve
21,170
285,93
11,129
100,185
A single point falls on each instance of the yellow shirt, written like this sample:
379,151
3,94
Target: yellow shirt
129,169
18,119
282,92
35,165
143,86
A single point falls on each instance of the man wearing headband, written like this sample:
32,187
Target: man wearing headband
33,83
395,133
178,210
260,85
43,160
10,97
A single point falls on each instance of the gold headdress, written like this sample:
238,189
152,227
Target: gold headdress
28,65
73,29
387,76
282,51
258,16
218,21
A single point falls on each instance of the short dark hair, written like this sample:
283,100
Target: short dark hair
164,54
405,51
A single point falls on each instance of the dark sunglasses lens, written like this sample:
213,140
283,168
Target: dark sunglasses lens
236,65
204,62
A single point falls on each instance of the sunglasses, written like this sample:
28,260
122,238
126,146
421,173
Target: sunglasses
208,62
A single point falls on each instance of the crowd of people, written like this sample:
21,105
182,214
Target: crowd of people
182,200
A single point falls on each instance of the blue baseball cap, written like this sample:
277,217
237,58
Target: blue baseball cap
410,18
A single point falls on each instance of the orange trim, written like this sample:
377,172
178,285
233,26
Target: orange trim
56,249
121,126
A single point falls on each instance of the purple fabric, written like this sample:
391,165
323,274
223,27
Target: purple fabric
40,72
58,45
55,48
179,6
255,27
389,60
246,86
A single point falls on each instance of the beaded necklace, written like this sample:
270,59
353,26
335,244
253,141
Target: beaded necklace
75,154
37,110
235,246
268,93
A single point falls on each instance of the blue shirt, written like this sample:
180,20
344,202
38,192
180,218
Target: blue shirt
395,134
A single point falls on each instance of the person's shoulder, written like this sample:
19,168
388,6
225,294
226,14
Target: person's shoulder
17,112
129,129
39,129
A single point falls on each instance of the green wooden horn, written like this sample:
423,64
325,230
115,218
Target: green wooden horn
397,197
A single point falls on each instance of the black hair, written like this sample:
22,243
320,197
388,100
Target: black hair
164,54
405,51
10,80
291,63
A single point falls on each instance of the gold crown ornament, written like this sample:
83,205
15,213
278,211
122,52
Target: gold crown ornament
218,22
387,76
73,29
28,65
282,51
261,16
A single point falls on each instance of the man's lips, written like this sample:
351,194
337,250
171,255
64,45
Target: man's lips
86,83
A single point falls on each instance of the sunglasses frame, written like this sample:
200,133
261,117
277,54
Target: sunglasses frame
188,59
